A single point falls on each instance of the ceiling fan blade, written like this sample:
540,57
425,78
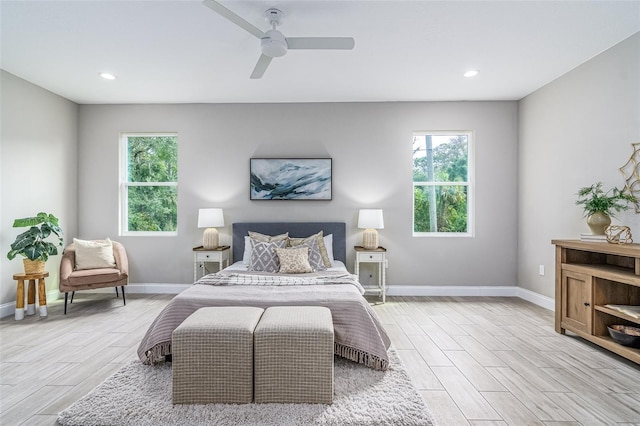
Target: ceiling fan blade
345,43
241,22
261,66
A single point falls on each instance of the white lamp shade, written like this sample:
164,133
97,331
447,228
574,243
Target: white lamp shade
210,218
370,219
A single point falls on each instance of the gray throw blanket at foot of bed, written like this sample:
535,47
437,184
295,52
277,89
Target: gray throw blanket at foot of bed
359,336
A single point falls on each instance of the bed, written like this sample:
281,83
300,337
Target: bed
359,335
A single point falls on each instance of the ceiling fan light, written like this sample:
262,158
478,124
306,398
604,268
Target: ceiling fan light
273,44
273,48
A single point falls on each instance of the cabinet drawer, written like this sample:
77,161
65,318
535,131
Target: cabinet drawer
370,257
210,257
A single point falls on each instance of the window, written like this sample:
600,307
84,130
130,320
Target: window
149,184
442,195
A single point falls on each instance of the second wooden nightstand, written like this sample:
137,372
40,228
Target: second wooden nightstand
202,256
378,256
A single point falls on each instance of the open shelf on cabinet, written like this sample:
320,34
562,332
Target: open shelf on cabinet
590,275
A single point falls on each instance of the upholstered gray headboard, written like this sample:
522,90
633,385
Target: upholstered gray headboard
295,229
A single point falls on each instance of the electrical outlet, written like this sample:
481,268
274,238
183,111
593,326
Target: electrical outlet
541,269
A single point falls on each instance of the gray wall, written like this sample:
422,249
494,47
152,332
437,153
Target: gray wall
370,144
38,151
574,132
525,191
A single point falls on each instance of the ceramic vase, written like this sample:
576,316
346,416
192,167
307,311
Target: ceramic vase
598,222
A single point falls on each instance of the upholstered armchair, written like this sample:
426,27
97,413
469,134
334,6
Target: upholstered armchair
73,279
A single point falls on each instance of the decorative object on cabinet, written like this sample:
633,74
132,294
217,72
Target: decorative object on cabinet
32,244
379,256
210,219
290,179
618,234
631,173
370,220
599,205
625,335
597,286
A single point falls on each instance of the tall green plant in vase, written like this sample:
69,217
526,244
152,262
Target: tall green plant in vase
600,205
32,244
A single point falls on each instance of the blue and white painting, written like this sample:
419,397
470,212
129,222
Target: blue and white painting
290,178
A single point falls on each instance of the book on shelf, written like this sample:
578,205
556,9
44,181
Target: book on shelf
593,237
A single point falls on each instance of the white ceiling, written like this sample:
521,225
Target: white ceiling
183,52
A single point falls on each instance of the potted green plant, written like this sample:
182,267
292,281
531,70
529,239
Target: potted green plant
32,244
600,205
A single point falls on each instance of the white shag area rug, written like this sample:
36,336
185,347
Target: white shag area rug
140,395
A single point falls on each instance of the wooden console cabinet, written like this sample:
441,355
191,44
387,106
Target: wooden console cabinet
590,275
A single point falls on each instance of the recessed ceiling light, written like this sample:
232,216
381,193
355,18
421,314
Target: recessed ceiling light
471,73
107,76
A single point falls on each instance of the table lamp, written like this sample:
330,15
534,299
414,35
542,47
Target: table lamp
210,219
370,220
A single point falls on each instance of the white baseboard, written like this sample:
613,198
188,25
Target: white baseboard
155,288
8,309
490,291
537,299
420,290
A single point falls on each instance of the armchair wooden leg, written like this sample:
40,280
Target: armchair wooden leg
72,294
66,295
123,299
117,295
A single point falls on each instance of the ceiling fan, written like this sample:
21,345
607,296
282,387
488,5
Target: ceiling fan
272,42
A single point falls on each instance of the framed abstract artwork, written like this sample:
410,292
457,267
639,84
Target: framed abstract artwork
290,179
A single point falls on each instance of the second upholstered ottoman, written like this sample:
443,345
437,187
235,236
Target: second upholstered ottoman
212,356
293,355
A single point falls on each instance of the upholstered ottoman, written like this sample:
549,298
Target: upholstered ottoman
293,355
212,356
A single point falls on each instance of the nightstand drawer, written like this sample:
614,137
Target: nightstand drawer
211,257
370,257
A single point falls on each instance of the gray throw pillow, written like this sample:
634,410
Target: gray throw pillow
263,256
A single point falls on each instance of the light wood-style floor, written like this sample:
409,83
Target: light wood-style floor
476,361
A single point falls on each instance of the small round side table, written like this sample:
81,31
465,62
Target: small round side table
31,296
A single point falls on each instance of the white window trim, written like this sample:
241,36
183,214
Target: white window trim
470,184
124,186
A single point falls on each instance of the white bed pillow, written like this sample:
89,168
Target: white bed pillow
94,254
328,244
294,260
246,256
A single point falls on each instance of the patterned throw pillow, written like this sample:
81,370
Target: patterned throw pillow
318,237
294,260
263,256
246,256
315,257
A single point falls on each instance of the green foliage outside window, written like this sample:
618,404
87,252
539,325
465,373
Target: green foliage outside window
152,176
438,205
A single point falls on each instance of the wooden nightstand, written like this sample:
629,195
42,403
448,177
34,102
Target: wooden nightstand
378,256
202,256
